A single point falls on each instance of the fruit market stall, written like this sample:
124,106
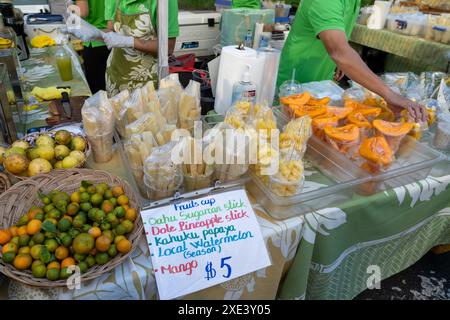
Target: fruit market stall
140,196
315,236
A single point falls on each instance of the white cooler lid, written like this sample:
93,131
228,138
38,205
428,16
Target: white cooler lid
200,17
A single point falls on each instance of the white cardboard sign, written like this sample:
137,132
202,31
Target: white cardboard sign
203,242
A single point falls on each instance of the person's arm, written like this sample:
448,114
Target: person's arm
151,46
115,40
349,61
84,12
84,8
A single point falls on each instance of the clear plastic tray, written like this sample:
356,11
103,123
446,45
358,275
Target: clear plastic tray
329,180
413,162
336,179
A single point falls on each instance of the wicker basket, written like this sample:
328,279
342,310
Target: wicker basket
5,183
20,197
32,137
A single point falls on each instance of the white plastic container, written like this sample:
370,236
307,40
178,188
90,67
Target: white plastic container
407,24
438,28
377,19
441,34
51,29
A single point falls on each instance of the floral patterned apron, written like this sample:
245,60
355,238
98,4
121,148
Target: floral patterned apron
128,68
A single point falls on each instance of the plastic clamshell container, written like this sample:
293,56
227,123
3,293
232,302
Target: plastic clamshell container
406,26
441,34
338,177
413,162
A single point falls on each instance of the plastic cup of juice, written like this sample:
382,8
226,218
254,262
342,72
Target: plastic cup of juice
64,63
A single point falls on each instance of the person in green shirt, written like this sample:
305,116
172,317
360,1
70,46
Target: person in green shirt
317,47
95,53
133,41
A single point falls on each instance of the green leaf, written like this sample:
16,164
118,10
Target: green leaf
45,255
48,226
86,183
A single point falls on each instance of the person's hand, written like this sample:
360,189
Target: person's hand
82,29
398,103
338,74
117,40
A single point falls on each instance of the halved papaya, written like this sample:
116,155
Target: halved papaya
346,133
355,105
370,113
312,111
344,139
377,151
358,119
297,99
372,101
339,112
392,129
324,120
320,122
319,102
386,114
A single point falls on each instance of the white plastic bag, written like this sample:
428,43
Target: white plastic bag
189,109
135,106
98,115
118,105
169,94
149,93
148,122
138,148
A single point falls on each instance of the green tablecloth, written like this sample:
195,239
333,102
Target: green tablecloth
343,247
426,55
41,70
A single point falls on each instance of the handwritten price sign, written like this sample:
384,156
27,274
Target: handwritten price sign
203,242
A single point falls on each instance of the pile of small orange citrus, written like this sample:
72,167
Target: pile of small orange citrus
87,228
